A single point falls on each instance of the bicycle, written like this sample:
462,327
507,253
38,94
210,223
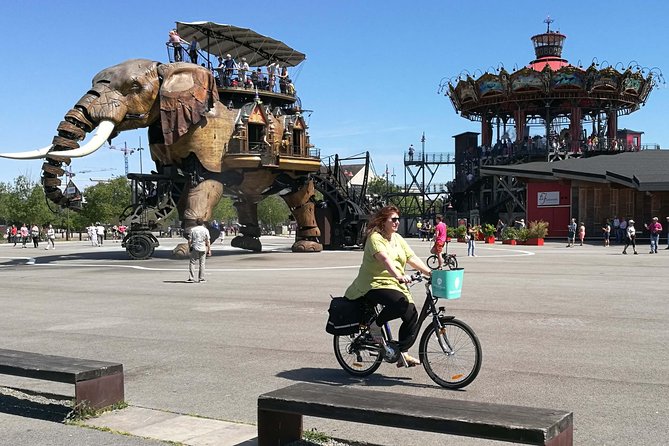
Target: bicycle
449,349
449,260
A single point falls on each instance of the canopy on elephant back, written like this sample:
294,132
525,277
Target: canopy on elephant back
219,39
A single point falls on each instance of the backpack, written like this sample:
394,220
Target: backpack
345,316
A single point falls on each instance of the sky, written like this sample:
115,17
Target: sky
371,75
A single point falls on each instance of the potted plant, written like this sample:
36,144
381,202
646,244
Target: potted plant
450,233
488,231
509,235
523,235
537,231
460,232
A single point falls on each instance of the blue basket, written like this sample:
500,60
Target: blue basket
447,284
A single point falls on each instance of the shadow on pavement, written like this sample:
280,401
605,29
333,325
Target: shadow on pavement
337,377
34,405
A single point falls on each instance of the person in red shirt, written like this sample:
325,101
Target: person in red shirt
440,231
655,229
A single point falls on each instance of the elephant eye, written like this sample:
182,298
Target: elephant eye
136,86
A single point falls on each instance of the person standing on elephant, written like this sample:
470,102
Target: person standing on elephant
271,73
243,71
283,80
229,66
175,42
193,51
199,247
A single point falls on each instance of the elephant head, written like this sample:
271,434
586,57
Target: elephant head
134,94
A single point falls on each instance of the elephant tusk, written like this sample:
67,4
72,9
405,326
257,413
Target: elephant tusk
31,155
101,135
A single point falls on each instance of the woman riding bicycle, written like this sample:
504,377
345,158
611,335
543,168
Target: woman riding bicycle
382,279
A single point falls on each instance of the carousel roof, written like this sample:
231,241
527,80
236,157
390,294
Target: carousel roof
219,39
552,80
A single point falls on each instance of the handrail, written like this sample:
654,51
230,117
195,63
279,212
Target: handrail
251,78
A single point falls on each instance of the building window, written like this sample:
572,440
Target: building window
297,141
613,203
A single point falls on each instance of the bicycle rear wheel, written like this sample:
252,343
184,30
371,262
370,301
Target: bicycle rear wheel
453,357
432,262
452,262
355,358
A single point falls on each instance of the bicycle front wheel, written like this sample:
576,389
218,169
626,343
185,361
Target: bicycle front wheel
451,355
432,262
452,262
355,358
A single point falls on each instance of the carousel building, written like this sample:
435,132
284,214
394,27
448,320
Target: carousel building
550,111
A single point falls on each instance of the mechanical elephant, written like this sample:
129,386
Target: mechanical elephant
242,148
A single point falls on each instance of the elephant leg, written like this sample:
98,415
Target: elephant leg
197,202
303,209
247,213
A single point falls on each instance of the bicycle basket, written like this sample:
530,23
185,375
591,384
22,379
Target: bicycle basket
447,284
345,316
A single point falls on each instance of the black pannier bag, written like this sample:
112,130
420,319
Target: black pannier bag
345,316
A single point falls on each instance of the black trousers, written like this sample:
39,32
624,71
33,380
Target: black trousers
395,305
629,241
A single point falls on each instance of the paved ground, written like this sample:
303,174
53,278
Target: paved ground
584,329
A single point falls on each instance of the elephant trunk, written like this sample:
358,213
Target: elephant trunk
71,130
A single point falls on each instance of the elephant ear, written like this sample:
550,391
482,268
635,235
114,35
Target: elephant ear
187,92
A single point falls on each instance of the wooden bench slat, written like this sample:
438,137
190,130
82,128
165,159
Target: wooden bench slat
54,368
483,420
97,384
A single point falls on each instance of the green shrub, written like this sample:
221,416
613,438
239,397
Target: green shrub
460,231
523,234
509,233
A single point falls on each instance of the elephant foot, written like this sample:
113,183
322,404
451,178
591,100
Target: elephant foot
306,246
181,251
246,242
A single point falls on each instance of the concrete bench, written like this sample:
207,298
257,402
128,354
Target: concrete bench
97,384
280,415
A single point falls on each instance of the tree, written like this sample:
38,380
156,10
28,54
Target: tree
225,211
24,202
105,202
272,211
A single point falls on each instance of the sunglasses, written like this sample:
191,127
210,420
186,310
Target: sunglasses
394,219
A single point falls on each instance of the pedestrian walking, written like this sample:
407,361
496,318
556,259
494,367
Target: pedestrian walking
34,233
606,231
655,229
572,227
581,232
24,235
50,238
470,236
630,236
100,232
199,247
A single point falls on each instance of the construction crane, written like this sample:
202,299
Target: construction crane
127,151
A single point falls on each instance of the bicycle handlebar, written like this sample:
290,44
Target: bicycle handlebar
418,277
